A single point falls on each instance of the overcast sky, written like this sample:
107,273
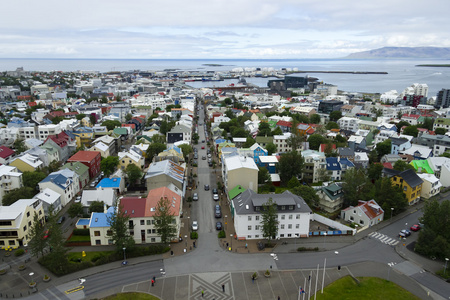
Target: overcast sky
217,28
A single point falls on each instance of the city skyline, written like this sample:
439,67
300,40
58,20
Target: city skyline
217,29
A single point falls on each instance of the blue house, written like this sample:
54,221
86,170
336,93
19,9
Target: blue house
257,152
399,144
99,227
334,168
115,183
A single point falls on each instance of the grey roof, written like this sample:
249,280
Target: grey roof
398,141
246,202
409,176
345,151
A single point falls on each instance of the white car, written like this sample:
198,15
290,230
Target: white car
215,197
194,226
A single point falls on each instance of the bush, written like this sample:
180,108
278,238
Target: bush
80,232
194,235
19,252
221,234
299,249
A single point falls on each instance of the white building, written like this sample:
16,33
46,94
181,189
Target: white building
10,179
347,123
293,215
431,185
239,170
281,142
49,197
44,131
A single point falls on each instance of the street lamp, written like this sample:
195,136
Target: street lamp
324,236
392,212
445,268
124,256
231,236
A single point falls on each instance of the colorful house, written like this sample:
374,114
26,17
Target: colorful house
410,183
88,158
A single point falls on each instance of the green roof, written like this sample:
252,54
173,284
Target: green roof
236,191
423,165
442,121
122,131
264,139
272,124
77,167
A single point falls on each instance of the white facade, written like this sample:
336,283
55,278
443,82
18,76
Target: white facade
10,179
281,142
43,131
347,123
239,170
431,185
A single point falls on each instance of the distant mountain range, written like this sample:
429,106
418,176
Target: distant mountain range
404,52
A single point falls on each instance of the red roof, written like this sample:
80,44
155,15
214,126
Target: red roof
134,207
371,208
60,139
310,131
129,125
57,113
410,116
324,146
31,104
86,156
388,165
284,123
5,152
163,192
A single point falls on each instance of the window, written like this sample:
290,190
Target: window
282,235
290,217
256,227
12,242
297,217
25,228
142,222
282,226
249,227
152,240
289,226
289,235
351,218
28,214
283,217
249,236
149,231
98,242
361,222
256,236
153,230
249,218
149,222
297,226
283,207
257,218
97,233
109,233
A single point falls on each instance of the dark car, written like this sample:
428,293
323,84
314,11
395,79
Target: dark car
204,157
218,211
206,187
219,226
210,164
61,220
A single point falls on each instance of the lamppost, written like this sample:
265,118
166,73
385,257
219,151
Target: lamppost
324,236
124,255
231,236
445,268
392,212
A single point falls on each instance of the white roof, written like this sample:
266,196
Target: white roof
237,162
268,159
131,154
275,177
48,196
356,138
105,139
9,170
423,150
428,177
361,156
105,195
31,160
101,146
143,147
15,211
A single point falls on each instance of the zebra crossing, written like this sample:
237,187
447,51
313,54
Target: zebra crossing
384,238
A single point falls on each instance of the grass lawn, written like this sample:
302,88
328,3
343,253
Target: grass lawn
80,238
134,296
369,288
89,255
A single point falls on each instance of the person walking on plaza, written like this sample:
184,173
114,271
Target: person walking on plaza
223,288
203,293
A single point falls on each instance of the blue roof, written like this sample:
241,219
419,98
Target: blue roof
346,162
178,149
109,183
218,141
333,164
58,179
101,219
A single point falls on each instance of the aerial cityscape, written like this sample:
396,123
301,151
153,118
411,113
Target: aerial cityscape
200,151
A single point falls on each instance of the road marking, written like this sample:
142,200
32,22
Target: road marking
75,289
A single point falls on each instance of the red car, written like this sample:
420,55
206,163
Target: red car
203,147
415,227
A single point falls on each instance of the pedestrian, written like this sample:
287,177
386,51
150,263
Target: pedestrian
153,282
194,245
278,297
203,293
223,288
253,279
309,277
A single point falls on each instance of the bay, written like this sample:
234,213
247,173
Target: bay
401,73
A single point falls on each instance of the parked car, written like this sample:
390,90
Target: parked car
61,220
219,226
215,194
195,156
93,184
404,233
195,197
209,155
218,211
78,199
203,147
194,226
415,227
206,187
210,163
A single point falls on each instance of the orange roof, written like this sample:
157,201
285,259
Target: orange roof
84,156
371,208
163,192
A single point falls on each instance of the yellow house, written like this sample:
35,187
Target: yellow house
131,157
102,148
27,162
84,136
17,220
86,122
410,183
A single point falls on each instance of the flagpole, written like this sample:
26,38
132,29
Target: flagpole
310,275
299,293
323,280
317,279
304,292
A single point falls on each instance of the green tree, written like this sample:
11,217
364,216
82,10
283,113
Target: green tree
401,124
239,132
19,146
264,129
374,171
118,223
75,210
58,254
128,117
133,173
165,221
271,148
109,164
154,149
440,130
57,120
53,166
164,127
289,165
411,130
93,119
96,206
17,194
269,220
315,140
227,101
37,243
332,125
277,131
308,194
314,119
389,196
295,141
434,238
31,179
263,175
248,143
79,117
400,165
383,148
293,182
110,124
353,182
427,124
158,138
335,115
187,149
